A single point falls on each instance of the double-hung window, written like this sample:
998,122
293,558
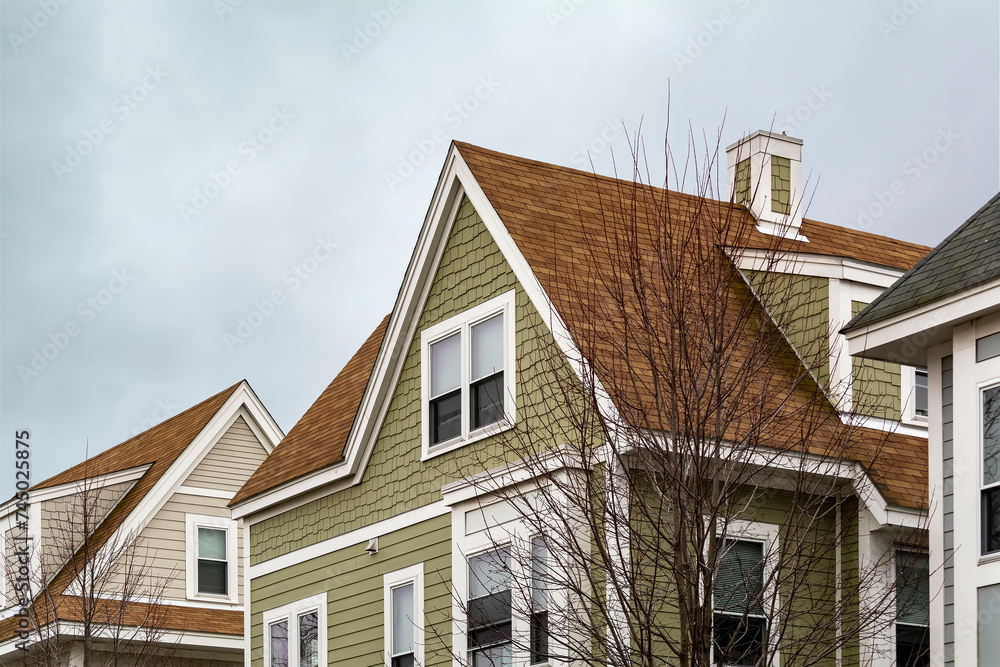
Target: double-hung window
403,619
912,609
490,619
991,470
739,625
295,634
211,558
467,378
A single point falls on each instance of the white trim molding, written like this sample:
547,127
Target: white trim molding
411,575
192,523
291,613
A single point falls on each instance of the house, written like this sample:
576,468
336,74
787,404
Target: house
137,543
391,524
944,315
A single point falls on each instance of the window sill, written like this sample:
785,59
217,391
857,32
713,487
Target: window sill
218,599
495,428
986,559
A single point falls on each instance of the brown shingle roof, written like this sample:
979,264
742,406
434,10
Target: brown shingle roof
158,448
318,438
572,228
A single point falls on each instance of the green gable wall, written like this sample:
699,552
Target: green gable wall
877,385
801,306
472,270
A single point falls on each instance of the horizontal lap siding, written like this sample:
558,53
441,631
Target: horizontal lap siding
353,580
231,461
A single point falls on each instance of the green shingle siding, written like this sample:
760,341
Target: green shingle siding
877,385
472,270
781,184
742,188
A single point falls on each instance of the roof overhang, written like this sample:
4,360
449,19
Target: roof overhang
904,338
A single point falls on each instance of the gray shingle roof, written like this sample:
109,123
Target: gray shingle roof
969,256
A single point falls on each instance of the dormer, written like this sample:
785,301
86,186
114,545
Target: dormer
765,174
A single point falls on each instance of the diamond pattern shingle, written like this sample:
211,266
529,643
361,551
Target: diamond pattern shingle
970,256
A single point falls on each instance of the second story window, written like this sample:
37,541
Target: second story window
913,603
211,558
739,624
467,375
489,609
295,634
991,470
920,393
213,561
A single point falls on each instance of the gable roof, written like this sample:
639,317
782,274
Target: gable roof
549,213
158,448
317,440
970,256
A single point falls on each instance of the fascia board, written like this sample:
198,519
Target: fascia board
69,488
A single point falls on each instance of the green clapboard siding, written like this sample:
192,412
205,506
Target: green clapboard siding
877,385
472,270
353,581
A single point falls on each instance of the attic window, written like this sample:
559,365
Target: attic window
468,376
211,558
742,182
781,184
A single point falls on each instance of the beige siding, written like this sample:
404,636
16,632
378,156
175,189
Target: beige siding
231,461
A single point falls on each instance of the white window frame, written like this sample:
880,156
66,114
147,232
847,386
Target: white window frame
895,575
981,462
463,323
908,396
409,575
195,521
290,613
766,534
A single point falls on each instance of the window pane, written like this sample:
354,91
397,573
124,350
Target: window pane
913,598
991,520
487,401
912,646
446,365
402,619
405,660
211,543
539,574
739,641
279,644
539,637
991,436
495,656
739,582
212,577
920,393
309,639
446,417
487,347
988,347
489,573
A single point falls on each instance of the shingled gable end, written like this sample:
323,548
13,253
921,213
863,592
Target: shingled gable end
502,234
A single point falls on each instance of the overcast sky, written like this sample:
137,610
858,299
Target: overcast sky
167,166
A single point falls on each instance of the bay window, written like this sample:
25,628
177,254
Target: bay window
489,609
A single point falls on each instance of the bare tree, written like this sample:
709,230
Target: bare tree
95,591
685,411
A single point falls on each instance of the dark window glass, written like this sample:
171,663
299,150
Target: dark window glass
920,393
540,583
991,520
739,641
489,609
212,577
446,417
991,470
912,646
487,400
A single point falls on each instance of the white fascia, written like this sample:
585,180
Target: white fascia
456,180
818,266
918,328
242,403
92,483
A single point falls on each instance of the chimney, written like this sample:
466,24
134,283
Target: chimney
765,173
